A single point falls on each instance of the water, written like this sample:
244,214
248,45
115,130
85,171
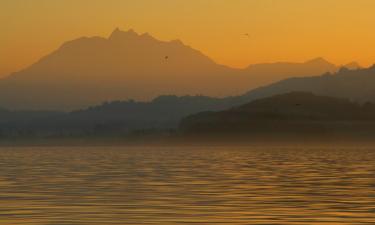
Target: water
144,185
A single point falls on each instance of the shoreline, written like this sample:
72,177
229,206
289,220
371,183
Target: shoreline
188,142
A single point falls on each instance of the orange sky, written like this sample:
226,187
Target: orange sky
280,30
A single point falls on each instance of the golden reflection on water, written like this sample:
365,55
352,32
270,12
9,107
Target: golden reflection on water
144,185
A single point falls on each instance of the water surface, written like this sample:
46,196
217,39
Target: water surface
174,185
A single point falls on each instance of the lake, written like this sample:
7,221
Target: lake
187,185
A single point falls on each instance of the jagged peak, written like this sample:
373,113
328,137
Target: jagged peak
147,36
116,30
117,33
131,31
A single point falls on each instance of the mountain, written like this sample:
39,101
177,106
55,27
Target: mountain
296,113
126,65
357,85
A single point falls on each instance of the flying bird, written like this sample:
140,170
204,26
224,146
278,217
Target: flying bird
166,57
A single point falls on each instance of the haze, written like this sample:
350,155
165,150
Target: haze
290,30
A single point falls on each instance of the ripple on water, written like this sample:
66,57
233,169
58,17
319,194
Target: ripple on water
144,185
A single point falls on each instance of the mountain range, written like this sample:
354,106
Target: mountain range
90,70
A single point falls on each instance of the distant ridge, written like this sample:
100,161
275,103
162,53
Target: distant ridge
126,65
355,84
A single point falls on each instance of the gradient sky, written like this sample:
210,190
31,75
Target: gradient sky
280,30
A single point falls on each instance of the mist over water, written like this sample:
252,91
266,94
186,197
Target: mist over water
175,185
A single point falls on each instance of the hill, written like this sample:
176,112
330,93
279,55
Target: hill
295,113
110,118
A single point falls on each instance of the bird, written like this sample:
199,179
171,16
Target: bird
166,57
247,35
298,104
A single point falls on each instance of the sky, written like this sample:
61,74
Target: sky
340,31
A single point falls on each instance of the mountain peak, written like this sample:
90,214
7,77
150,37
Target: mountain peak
318,60
115,32
352,66
118,34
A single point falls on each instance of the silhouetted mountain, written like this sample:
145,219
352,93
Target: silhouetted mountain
88,71
292,113
357,85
